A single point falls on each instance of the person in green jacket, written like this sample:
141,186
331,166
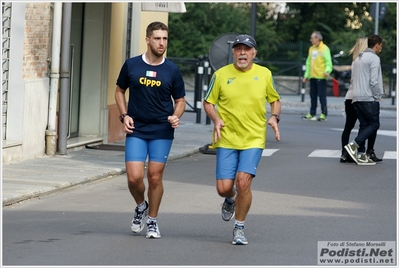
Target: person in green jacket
318,68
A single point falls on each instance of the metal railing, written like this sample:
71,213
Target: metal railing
201,70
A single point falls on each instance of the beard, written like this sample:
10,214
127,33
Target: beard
242,65
156,52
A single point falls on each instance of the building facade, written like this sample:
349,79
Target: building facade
60,64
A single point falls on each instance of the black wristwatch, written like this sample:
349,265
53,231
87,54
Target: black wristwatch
122,116
277,117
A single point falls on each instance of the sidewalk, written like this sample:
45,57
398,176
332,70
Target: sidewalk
40,176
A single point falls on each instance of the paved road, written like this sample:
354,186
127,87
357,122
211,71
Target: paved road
299,198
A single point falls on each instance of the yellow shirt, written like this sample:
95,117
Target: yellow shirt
240,99
318,62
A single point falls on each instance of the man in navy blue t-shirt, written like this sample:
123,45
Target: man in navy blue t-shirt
156,103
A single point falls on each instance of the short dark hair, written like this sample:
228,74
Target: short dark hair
156,25
373,40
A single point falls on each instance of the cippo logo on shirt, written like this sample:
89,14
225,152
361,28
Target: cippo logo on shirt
150,82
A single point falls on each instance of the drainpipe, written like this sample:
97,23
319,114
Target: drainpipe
51,132
64,81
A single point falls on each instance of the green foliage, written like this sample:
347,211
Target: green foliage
388,30
341,23
301,19
192,33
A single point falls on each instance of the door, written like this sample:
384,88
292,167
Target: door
77,19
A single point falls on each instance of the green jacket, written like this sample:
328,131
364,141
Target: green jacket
318,62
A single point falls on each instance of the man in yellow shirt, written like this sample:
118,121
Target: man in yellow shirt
318,68
236,103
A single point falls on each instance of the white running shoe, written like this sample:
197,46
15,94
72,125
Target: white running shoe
153,230
138,220
239,237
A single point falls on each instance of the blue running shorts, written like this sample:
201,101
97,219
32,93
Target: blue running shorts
229,162
137,149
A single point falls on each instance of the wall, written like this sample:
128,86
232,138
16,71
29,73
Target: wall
35,72
37,40
35,117
29,81
116,59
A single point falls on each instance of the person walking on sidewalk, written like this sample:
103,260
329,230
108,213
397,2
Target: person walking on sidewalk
318,68
367,93
350,114
240,91
149,122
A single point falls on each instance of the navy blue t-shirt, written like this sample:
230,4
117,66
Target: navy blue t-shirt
151,89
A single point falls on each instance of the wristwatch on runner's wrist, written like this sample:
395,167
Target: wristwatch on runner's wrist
122,116
277,117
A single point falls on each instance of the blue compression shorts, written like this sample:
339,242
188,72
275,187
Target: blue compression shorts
229,162
137,149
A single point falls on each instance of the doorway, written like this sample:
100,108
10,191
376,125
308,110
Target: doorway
77,20
89,57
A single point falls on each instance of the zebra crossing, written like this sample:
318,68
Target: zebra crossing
381,132
323,153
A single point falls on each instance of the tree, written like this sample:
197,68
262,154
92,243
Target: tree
341,23
388,32
192,33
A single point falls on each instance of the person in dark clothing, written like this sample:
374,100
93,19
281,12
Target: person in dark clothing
350,114
367,93
156,103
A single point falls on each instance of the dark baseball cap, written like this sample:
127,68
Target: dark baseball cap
246,40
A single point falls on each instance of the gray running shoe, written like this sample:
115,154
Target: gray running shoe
153,230
228,210
364,160
351,148
239,237
138,220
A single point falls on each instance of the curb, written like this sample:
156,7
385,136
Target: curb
64,186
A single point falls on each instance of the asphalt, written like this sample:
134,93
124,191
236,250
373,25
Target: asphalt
45,175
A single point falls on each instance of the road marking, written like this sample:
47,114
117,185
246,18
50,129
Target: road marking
337,154
390,133
390,155
322,153
269,152
326,153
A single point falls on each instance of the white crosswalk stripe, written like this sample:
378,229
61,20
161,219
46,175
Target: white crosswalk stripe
269,152
337,154
390,155
320,153
326,153
389,133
